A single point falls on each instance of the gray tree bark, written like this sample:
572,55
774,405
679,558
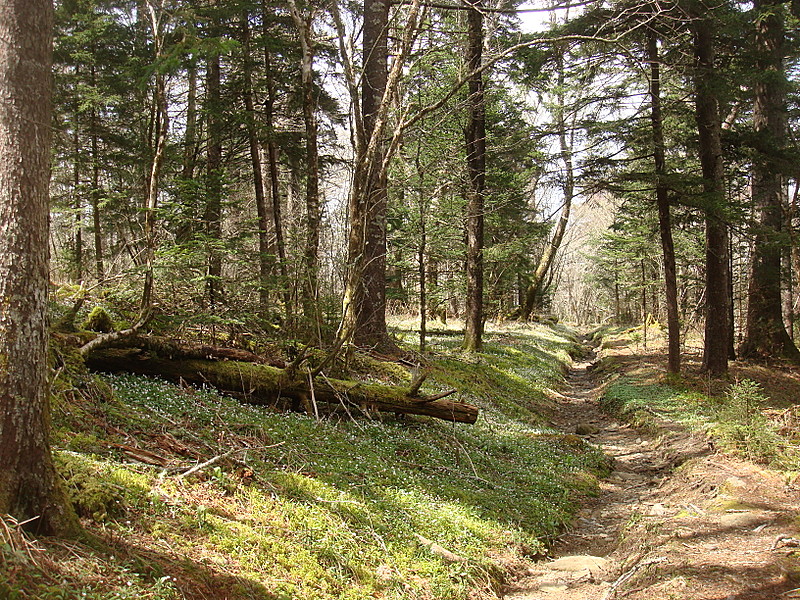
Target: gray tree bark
476,168
29,487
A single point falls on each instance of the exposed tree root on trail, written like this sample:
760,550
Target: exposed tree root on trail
675,519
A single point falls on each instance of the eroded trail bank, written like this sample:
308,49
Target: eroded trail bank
675,519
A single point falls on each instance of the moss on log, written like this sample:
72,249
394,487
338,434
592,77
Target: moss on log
264,385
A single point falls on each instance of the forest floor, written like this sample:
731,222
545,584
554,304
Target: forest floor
678,517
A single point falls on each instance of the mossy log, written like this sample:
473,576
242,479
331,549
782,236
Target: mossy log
262,384
176,349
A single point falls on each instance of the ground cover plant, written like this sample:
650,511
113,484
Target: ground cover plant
297,507
752,414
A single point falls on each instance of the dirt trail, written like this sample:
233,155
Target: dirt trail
674,520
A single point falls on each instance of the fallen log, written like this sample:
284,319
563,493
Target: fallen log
265,385
173,349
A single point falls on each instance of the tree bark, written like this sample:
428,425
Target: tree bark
29,486
765,334
96,191
364,320
662,203
272,160
161,119
717,322
476,169
258,176
77,201
304,25
213,207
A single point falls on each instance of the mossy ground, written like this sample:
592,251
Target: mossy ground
305,508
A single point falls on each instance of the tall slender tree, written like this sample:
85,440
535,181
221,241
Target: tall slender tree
717,314
213,207
304,22
662,204
476,169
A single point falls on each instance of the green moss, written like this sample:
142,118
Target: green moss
98,320
94,490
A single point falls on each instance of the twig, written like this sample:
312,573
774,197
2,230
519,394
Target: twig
612,591
219,457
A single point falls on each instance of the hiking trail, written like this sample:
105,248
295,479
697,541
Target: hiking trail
675,519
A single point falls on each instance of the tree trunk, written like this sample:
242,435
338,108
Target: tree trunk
364,304
476,169
662,202
533,294
421,251
304,25
161,119
272,159
77,202
717,322
258,176
213,207
765,334
96,191
29,486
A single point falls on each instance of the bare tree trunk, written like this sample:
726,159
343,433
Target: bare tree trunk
304,24
258,176
151,202
96,191
190,133
77,202
766,334
213,207
272,159
364,298
29,486
718,324
476,168
421,251
662,202
536,287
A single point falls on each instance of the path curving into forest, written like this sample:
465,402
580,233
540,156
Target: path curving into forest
675,519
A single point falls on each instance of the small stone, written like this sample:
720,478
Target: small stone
593,564
586,429
657,510
550,588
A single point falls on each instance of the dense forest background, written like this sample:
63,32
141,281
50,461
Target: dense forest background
244,166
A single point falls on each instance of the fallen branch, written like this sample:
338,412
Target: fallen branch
440,551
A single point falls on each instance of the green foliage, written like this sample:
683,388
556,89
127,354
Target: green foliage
737,421
743,427
332,508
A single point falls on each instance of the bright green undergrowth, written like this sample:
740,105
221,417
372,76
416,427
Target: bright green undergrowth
736,420
322,509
